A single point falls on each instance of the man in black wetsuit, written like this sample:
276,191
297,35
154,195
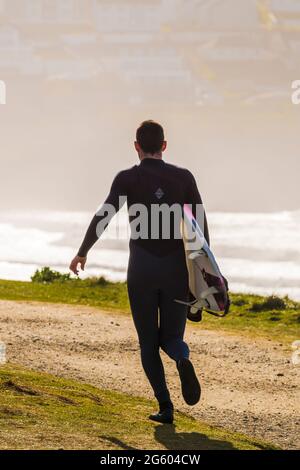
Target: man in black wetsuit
157,271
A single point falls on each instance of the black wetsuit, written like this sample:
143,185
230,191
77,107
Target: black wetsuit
157,272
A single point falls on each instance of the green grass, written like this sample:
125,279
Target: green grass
269,317
93,292
40,411
250,314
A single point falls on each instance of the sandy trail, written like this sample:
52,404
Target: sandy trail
248,385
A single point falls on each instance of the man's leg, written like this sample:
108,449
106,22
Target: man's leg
144,307
174,285
172,323
172,326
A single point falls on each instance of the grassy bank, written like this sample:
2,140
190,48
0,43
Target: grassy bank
39,411
251,314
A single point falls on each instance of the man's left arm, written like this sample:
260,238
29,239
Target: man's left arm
194,200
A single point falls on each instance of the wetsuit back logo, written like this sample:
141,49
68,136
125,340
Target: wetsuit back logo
159,193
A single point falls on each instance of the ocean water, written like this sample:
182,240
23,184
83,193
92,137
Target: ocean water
257,252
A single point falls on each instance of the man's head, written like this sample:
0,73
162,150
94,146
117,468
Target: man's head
150,140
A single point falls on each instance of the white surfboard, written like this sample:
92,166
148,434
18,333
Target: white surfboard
207,285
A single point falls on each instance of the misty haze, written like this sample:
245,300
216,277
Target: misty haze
81,75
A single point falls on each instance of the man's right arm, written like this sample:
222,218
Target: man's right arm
102,218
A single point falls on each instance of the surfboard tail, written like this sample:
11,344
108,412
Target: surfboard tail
207,285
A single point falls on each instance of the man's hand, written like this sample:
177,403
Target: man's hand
78,260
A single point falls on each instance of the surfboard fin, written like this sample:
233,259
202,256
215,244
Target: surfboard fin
196,254
202,304
195,305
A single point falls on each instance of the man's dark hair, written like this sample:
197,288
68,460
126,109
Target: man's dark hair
150,137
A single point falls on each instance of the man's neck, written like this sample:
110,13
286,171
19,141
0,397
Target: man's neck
156,156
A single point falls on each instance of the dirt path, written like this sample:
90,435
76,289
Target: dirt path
249,386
